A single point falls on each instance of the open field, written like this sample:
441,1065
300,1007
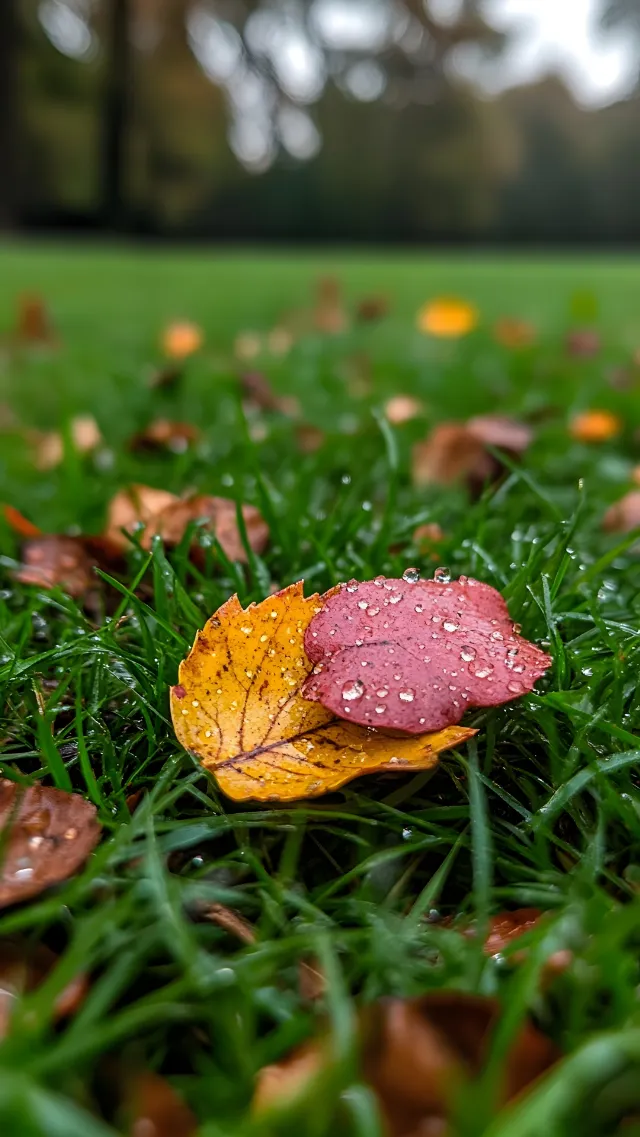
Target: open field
543,807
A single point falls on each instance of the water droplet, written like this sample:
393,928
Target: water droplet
382,693
512,651
442,575
396,598
481,669
407,834
467,654
263,639
515,687
381,709
23,874
407,696
352,586
497,636
588,671
363,604
517,628
354,689
274,615
247,631
450,626
359,643
411,575
373,611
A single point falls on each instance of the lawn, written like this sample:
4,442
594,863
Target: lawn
370,884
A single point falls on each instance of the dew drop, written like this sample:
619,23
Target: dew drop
411,575
497,636
407,834
481,669
419,608
354,689
381,709
515,687
450,626
467,654
359,643
407,696
517,628
352,586
382,693
364,604
396,598
373,611
247,631
442,575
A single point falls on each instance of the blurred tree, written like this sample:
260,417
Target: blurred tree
118,80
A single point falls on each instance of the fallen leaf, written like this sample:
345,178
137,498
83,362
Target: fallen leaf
49,561
163,434
165,515
501,432
514,333
417,1054
228,920
34,325
329,315
428,535
157,1110
181,339
280,341
48,446
635,475
509,926
23,968
595,426
458,451
624,515
415,655
238,708
258,391
583,343
312,981
402,408
247,345
47,834
448,317
165,378
310,439
372,308
19,523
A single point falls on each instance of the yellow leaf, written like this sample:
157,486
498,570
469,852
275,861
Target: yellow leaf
448,317
238,708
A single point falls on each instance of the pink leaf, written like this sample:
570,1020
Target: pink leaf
414,655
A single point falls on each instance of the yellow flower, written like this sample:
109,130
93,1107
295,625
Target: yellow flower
181,339
448,317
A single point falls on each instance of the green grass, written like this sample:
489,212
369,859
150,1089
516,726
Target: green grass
543,810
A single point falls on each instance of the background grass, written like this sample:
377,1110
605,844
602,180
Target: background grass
544,809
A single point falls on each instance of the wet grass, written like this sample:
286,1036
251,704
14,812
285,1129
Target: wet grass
543,809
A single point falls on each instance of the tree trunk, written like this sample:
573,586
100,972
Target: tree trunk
9,126
115,115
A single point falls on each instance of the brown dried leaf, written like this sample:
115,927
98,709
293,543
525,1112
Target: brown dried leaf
428,535
49,561
502,432
229,921
513,332
49,445
417,1053
23,968
258,391
329,315
34,327
163,434
312,982
310,438
624,515
165,515
583,343
372,308
48,836
457,451
157,1110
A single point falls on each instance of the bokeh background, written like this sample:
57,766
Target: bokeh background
415,121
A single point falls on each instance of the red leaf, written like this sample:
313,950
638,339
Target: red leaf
414,655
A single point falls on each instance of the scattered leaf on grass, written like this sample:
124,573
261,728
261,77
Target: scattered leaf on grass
583,343
312,981
228,920
164,514
258,392
19,523
427,535
310,439
280,341
417,1054
238,708
48,446
372,308
157,1110
595,426
415,655
163,434
34,327
49,561
46,836
624,515
165,378
456,451
181,339
448,317
329,315
247,345
402,408
23,967
514,333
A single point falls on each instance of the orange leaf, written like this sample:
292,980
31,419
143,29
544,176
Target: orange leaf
19,523
238,708
624,515
402,408
181,339
595,426
448,317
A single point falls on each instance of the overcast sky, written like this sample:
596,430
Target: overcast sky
564,35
